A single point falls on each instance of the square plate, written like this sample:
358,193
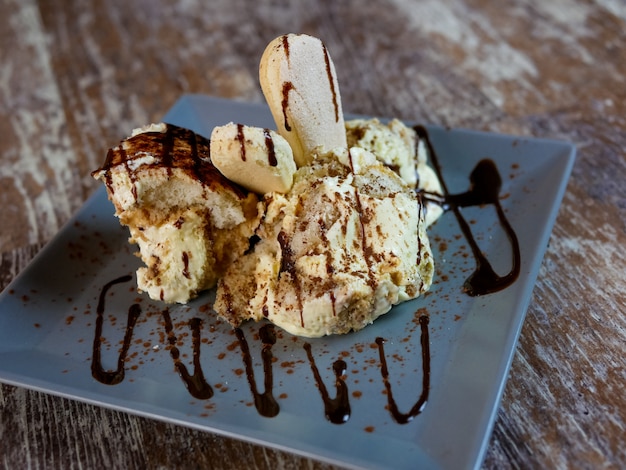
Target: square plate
48,317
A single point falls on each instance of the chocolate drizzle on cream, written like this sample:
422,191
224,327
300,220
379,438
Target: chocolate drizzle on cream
421,217
367,250
288,267
167,158
271,151
174,148
269,145
186,264
242,142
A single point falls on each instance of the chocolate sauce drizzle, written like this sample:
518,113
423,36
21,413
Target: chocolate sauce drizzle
288,265
367,250
195,158
331,82
112,377
173,148
287,87
265,402
242,142
485,185
186,265
403,418
195,383
168,146
336,410
269,144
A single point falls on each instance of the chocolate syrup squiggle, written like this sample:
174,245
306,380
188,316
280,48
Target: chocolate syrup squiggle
336,410
196,384
265,402
485,185
403,418
112,377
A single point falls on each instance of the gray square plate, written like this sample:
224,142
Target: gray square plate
48,317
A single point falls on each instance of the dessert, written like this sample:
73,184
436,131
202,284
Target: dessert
258,159
187,219
398,147
300,86
343,246
338,225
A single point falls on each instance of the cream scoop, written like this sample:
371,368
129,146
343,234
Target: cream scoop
343,246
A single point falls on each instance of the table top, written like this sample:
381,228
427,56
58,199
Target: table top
77,76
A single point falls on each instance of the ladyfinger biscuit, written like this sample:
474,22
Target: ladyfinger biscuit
258,159
300,85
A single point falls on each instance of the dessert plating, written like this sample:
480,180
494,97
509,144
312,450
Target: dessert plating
339,229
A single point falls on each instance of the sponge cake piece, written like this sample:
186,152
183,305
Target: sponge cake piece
188,220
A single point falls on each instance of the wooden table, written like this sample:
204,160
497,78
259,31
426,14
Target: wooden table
76,76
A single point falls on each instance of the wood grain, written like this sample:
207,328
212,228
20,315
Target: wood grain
77,76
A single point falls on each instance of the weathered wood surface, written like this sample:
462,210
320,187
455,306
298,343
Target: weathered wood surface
76,76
